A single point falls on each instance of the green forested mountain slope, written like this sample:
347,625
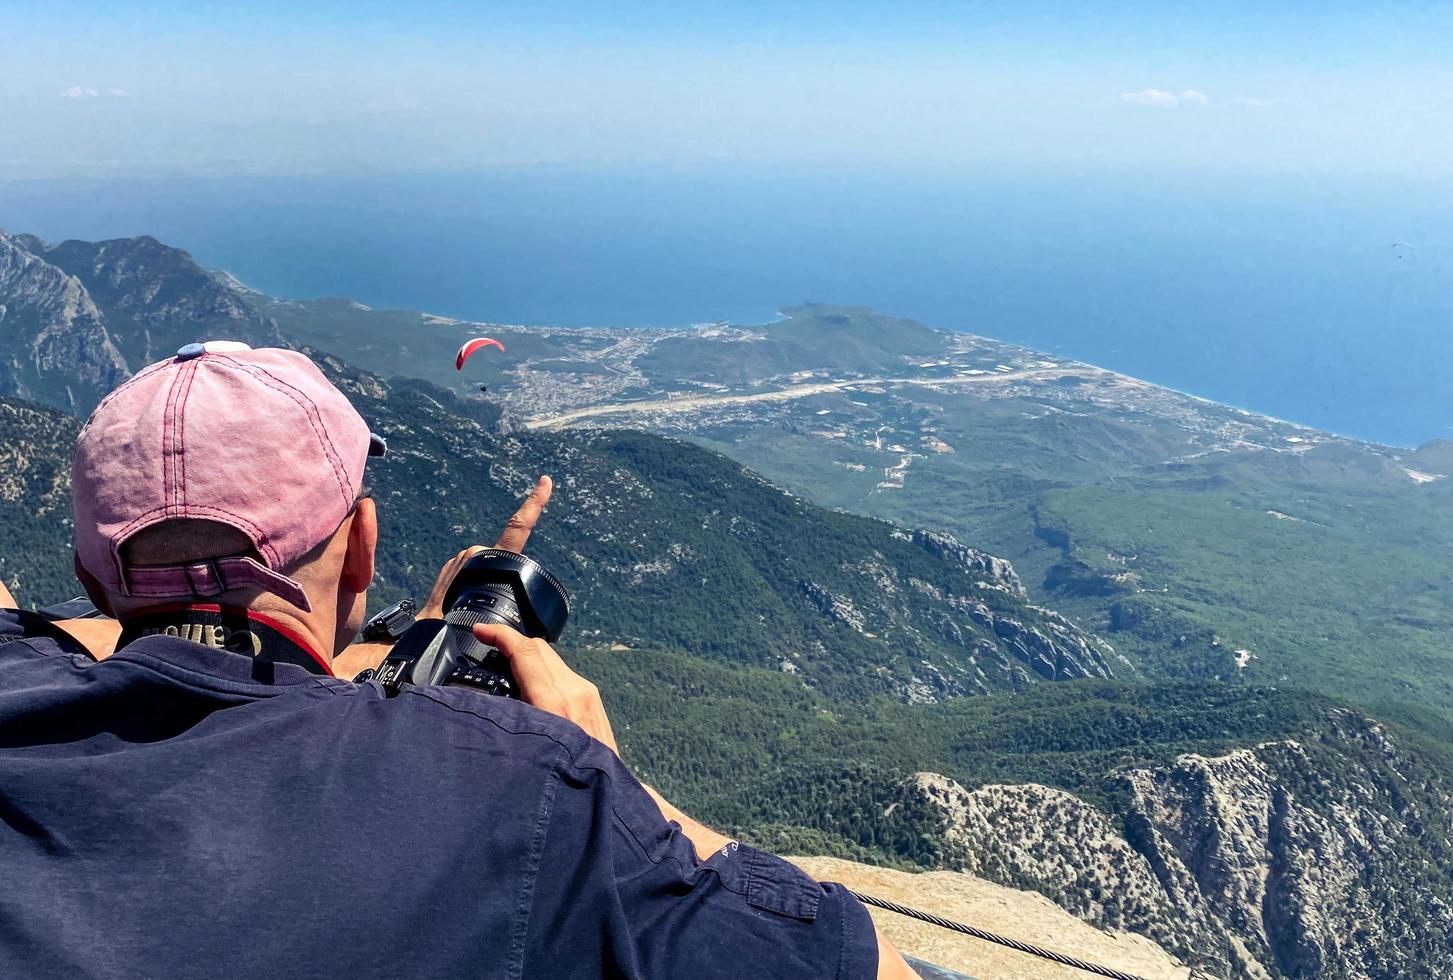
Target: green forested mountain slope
1324,567
35,501
824,759
668,545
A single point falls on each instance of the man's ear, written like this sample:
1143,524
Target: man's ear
362,546
94,592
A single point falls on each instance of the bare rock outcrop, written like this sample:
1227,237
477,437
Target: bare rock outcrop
1023,915
1270,861
978,563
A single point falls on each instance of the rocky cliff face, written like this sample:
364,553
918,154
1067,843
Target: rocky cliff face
1032,836
158,298
53,341
994,570
1325,858
1301,855
1049,646
79,317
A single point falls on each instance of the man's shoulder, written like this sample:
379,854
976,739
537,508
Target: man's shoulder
445,711
459,744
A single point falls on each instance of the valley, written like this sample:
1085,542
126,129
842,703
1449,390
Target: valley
1201,540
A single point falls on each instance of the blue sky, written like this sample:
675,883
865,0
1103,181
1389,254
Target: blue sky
278,88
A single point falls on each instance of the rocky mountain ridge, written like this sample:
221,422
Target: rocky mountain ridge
53,341
158,298
77,318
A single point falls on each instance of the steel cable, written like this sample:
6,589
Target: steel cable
1029,948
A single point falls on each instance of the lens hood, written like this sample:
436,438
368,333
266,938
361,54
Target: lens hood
542,601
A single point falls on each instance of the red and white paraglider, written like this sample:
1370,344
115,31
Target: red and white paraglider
472,347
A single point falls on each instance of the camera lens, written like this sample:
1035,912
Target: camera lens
498,586
494,586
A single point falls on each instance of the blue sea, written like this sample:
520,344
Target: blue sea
1282,294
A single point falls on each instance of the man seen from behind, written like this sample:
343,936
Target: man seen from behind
211,801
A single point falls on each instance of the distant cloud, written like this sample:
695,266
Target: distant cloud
1149,96
1246,100
1160,97
85,92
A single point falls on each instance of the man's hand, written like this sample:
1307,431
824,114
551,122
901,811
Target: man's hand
516,533
548,683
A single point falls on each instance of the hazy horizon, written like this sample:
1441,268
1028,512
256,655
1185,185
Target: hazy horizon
1271,295
173,88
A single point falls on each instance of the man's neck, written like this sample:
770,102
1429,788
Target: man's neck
261,634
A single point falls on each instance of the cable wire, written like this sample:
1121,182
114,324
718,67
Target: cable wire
1029,948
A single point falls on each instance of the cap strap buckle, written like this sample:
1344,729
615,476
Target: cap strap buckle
209,577
206,578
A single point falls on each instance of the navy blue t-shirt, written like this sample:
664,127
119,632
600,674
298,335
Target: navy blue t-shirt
165,814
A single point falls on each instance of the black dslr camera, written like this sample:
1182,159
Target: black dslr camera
495,586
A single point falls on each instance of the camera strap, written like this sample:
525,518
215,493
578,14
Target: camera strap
234,630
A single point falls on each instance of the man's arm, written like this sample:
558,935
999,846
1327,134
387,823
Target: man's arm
358,657
706,840
98,635
548,683
891,964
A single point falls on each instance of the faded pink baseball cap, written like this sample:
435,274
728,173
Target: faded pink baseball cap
257,439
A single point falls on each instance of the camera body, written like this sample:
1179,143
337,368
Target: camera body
494,586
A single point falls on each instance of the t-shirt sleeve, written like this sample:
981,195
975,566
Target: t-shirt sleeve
621,892
41,635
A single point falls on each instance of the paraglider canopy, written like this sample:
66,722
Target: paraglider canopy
470,347
1401,249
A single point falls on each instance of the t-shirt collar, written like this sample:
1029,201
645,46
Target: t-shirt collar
230,646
